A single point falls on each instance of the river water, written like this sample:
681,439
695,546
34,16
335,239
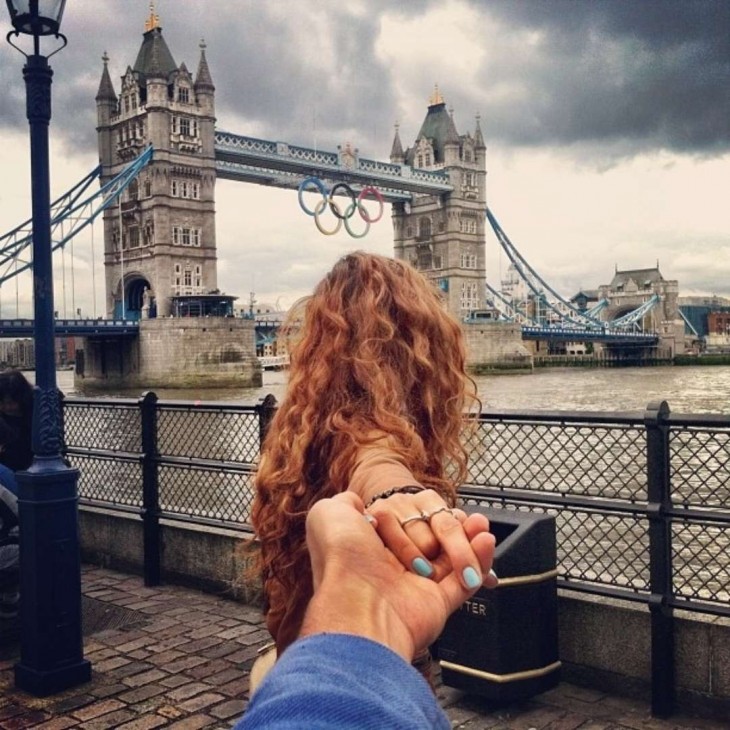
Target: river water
698,389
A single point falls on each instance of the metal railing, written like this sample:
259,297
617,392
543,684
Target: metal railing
641,500
178,460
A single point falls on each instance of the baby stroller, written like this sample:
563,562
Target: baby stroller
9,555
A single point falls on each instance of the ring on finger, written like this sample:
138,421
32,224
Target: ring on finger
429,515
422,515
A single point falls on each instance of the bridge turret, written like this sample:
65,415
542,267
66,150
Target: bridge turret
451,142
204,88
480,152
205,101
443,235
396,151
106,108
160,241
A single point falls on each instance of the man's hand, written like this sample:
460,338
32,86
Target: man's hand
361,588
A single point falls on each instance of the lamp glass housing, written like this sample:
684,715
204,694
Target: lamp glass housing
36,17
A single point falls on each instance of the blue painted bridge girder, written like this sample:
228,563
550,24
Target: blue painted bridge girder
283,165
574,334
73,327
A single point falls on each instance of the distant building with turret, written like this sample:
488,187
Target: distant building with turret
160,241
443,236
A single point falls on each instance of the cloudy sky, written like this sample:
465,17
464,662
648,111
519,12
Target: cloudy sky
607,124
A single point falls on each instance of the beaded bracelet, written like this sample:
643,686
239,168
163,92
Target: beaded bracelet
407,489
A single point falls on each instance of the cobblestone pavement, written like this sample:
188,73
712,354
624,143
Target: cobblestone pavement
177,658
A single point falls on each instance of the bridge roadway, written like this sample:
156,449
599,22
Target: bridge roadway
74,327
265,328
283,165
570,334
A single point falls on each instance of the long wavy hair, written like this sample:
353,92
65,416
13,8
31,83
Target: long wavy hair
375,354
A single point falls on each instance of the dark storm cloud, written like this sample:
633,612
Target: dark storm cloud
651,73
263,79
620,75
321,89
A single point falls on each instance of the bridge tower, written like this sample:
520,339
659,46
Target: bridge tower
160,240
444,236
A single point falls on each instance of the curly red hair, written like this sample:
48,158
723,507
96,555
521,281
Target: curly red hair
376,353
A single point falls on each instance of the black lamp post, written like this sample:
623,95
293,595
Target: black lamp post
51,648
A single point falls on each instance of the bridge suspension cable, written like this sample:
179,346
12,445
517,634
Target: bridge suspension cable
506,309
564,309
69,216
635,315
569,315
597,308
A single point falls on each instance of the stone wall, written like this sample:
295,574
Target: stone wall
175,353
495,346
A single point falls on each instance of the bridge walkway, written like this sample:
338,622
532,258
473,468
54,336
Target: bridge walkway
176,658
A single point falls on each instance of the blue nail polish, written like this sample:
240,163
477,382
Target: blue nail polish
422,567
471,577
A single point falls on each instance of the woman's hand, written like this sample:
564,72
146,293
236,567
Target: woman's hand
431,539
361,588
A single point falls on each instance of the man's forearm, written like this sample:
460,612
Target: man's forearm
347,605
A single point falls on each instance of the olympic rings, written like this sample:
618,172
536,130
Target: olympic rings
348,214
370,190
357,203
302,187
348,191
319,209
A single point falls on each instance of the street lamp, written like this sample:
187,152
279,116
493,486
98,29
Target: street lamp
51,645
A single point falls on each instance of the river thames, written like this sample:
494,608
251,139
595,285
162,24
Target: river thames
701,389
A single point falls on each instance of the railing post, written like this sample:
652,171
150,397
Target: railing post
150,490
266,410
660,558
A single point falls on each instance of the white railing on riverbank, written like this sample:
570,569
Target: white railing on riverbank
274,362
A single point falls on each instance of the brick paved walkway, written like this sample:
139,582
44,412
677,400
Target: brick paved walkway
177,658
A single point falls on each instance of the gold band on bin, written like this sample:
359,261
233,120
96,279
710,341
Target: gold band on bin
501,678
521,580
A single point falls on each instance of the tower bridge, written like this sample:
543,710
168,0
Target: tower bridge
162,240
248,159
161,154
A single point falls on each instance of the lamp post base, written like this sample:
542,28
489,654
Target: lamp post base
51,644
44,683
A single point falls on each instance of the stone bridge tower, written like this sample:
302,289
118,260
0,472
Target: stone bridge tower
160,240
631,288
443,236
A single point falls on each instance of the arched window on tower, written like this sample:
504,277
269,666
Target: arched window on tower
424,229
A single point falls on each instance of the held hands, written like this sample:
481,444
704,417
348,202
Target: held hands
428,537
362,588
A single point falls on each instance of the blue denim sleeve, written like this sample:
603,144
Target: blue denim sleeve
338,682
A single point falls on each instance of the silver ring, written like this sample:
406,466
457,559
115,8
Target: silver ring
429,515
420,516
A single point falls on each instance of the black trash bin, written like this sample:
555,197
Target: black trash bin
503,642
